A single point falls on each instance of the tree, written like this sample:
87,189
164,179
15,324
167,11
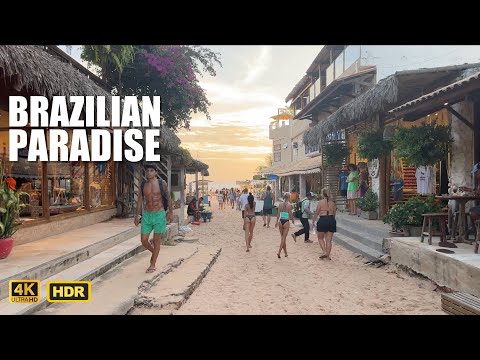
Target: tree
110,59
168,71
269,160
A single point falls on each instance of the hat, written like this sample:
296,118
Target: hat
310,194
149,166
476,168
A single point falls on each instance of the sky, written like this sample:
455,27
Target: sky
253,83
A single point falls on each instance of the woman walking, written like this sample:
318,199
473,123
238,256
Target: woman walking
249,220
326,225
284,215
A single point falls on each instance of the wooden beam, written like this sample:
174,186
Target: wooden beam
45,198
86,187
460,117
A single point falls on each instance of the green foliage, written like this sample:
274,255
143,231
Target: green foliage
108,58
168,71
335,153
422,145
410,213
372,146
185,155
10,206
369,202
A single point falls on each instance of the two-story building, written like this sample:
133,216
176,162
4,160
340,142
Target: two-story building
334,78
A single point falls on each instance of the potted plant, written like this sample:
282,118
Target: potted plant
371,145
422,145
368,205
10,206
408,216
335,153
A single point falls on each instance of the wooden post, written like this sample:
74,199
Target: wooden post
384,177
45,198
169,172
86,188
196,185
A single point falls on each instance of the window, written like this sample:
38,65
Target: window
330,73
277,156
352,54
339,65
311,149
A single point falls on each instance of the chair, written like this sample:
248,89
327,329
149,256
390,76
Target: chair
428,219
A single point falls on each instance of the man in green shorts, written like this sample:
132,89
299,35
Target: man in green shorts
155,198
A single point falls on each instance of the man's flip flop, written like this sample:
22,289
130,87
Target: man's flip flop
150,270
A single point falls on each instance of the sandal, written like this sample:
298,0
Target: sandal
151,270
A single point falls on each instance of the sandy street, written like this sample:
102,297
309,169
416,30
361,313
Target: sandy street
259,283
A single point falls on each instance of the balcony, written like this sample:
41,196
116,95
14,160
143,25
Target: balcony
279,129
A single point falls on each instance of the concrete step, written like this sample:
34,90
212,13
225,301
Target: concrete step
365,238
114,292
373,227
47,257
356,247
86,270
174,289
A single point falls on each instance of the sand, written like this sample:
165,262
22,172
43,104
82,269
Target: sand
257,282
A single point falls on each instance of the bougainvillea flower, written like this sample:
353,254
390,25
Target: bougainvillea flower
12,184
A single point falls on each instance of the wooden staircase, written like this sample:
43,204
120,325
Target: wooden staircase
410,184
330,180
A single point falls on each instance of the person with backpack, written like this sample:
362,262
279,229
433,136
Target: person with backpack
154,198
303,212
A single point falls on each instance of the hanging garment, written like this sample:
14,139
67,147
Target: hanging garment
422,183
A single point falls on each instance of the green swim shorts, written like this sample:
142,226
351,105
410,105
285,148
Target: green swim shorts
156,221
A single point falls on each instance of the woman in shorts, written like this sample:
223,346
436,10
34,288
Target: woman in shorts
326,225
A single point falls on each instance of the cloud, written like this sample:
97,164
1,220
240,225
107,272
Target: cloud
257,65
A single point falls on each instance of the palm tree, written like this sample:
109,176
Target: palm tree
108,58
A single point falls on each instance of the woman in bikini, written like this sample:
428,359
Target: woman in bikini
249,220
326,225
284,214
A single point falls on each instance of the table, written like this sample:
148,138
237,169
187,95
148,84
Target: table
462,201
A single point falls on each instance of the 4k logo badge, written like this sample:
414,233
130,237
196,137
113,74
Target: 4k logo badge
24,291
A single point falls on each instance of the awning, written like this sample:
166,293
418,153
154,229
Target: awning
302,167
440,98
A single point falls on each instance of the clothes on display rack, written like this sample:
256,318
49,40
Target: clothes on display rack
425,177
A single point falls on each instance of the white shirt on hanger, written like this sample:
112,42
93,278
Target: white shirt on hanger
423,175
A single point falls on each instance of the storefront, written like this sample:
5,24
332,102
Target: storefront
424,180
58,195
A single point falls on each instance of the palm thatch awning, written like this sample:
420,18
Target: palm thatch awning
196,166
168,139
390,92
31,69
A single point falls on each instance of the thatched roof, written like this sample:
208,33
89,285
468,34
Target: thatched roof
196,166
390,92
34,70
168,139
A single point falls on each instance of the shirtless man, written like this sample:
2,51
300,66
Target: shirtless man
154,216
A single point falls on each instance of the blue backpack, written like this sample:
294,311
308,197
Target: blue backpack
164,195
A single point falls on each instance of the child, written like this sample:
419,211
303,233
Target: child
398,187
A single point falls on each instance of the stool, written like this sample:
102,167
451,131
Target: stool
477,238
455,223
428,218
